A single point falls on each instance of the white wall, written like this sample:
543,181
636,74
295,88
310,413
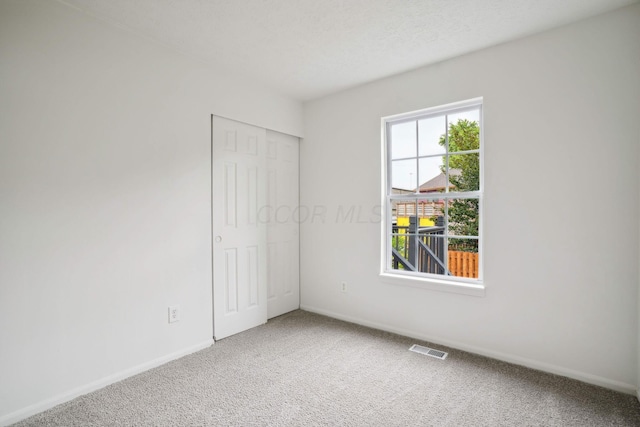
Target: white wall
561,207
104,200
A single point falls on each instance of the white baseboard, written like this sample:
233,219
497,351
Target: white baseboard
517,360
36,408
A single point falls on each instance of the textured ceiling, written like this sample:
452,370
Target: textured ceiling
310,48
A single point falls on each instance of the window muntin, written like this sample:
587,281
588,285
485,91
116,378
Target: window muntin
433,193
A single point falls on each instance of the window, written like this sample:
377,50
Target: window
432,195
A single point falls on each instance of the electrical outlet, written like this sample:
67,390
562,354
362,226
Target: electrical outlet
344,286
174,313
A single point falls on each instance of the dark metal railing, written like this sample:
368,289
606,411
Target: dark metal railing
420,249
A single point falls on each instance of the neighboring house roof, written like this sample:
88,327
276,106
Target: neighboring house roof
438,183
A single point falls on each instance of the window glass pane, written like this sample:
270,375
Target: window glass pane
430,212
430,176
464,172
431,256
404,174
463,260
400,252
429,235
463,217
402,211
403,140
464,131
430,131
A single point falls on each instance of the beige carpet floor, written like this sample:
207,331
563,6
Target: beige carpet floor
303,369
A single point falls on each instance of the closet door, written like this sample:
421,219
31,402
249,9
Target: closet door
239,187
283,216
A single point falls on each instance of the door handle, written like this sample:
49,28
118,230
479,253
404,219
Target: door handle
218,239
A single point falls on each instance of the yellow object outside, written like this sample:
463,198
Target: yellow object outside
403,221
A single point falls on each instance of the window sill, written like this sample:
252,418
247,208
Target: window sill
472,289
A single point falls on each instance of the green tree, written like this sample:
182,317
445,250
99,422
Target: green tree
464,174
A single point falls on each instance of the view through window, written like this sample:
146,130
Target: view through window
434,192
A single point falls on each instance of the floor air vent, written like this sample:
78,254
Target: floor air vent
429,351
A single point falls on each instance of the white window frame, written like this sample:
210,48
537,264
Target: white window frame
438,282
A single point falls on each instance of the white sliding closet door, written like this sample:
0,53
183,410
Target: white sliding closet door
239,236
284,217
